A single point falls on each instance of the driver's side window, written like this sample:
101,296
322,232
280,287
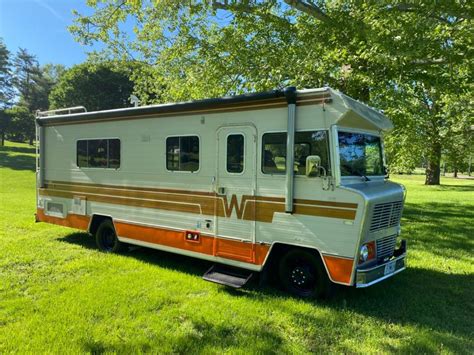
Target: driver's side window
306,143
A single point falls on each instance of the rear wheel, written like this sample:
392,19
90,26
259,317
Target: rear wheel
106,238
302,274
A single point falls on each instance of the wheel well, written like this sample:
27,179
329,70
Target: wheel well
277,252
96,222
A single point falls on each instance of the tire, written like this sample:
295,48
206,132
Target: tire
106,238
302,274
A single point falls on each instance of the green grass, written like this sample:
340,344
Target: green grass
59,294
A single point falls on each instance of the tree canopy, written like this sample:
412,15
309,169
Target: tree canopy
6,90
413,60
96,86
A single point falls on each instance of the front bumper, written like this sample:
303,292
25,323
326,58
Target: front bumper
368,277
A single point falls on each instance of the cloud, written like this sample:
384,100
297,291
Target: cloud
51,10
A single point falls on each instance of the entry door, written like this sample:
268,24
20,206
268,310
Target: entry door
235,188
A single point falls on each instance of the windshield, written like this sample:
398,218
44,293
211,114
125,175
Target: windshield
360,154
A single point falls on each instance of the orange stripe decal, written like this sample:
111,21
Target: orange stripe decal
339,268
225,248
229,249
72,220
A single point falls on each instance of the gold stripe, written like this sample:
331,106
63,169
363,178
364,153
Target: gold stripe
252,208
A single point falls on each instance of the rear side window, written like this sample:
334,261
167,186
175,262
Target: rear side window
98,153
235,153
306,143
182,153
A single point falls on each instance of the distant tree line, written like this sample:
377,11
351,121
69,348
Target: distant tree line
27,87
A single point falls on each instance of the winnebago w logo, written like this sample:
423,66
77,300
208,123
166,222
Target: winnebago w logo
244,210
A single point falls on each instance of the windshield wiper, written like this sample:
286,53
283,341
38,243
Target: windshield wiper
358,173
355,172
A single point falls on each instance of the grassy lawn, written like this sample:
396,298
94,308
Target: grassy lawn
58,293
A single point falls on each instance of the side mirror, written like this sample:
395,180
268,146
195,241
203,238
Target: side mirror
313,166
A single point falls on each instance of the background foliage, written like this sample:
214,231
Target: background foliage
413,60
96,86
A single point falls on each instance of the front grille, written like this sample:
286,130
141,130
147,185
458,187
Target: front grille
386,215
386,247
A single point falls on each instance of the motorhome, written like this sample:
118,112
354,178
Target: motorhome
288,182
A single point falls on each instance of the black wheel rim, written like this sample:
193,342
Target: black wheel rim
107,239
302,277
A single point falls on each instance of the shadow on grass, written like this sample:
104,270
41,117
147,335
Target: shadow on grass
206,333
220,336
17,161
434,300
441,228
457,188
159,258
25,150
21,159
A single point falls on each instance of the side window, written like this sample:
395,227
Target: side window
114,153
311,143
81,154
274,153
182,153
98,153
306,143
235,153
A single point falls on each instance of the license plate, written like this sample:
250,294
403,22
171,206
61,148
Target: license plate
389,268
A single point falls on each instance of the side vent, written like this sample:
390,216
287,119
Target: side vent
55,209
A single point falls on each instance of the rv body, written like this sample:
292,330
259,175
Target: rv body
211,179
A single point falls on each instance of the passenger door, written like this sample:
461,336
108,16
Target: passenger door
235,189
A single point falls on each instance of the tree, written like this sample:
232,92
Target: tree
6,90
53,72
411,59
96,86
26,73
459,147
22,123
33,85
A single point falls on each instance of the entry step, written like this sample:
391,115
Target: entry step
228,276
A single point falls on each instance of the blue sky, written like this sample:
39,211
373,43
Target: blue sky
41,27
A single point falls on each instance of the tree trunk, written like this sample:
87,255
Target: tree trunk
455,172
31,140
3,139
433,167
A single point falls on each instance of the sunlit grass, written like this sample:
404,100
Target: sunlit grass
59,294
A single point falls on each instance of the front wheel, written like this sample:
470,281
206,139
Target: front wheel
302,274
106,238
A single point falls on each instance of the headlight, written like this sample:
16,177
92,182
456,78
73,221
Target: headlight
366,252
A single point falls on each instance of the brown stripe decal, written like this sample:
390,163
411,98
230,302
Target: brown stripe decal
252,208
